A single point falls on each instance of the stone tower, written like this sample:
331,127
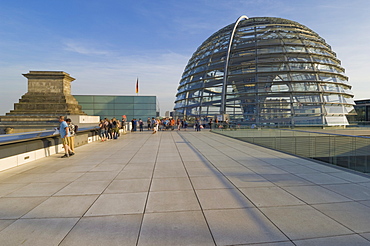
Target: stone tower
48,96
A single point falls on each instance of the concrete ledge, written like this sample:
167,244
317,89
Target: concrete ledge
20,153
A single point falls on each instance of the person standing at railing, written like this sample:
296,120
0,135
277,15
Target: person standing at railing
102,132
71,139
64,134
115,128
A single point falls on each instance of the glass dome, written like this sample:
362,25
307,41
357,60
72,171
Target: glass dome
266,71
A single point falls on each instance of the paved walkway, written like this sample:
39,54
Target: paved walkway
182,188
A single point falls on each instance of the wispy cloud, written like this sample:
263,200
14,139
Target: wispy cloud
83,48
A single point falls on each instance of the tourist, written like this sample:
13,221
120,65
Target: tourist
102,132
184,124
110,129
141,125
152,123
166,124
155,125
106,127
71,139
133,125
179,124
64,134
210,123
197,125
172,124
123,125
149,123
115,128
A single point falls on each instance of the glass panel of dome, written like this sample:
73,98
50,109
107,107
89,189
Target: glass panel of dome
292,42
179,104
323,68
307,98
194,94
333,98
268,39
269,50
275,100
298,58
300,66
181,89
349,100
195,111
334,109
206,99
341,79
335,121
318,51
272,67
350,109
323,59
270,59
347,91
308,121
327,78
306,86
279,88
250,88
330,87
302,76
308,109
193,86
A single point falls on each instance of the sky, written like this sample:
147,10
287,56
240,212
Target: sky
106,45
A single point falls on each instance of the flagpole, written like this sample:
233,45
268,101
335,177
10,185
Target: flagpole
137,86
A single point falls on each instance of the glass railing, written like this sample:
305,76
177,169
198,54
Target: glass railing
349,148
25,136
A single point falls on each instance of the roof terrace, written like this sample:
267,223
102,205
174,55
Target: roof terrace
182,188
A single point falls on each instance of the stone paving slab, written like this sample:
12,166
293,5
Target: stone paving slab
105,230
175,228
182,188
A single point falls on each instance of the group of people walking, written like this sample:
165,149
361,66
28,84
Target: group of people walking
155,124
166,124
109,129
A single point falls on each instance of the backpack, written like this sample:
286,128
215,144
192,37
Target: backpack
76,129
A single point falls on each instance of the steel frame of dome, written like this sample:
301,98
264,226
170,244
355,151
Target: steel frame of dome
265,71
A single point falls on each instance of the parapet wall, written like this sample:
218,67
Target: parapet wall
16,153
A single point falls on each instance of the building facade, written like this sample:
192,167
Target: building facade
266,71
118,106
363,111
